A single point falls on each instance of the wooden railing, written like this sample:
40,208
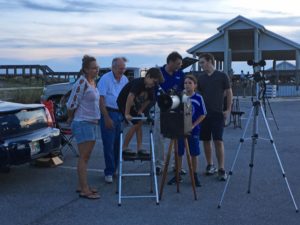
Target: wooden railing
35,71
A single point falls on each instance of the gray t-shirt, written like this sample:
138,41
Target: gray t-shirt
212,90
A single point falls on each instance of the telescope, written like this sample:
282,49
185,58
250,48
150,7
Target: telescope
175,114
257,75
261,63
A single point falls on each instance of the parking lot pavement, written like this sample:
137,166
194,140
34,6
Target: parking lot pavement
43,196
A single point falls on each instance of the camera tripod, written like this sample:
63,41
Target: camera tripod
174,143
256,107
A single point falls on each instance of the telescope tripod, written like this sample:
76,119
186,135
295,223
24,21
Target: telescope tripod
174,143
255,136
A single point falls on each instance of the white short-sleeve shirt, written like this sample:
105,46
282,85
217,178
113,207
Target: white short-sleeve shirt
110,88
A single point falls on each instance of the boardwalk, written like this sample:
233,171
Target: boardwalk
44,196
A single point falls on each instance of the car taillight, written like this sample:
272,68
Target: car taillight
49,118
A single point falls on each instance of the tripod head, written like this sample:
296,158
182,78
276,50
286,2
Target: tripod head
261,85
259,77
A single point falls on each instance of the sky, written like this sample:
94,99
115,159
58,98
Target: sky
58,33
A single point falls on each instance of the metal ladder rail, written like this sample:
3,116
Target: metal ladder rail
152,172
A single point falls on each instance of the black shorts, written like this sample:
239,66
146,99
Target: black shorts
212,126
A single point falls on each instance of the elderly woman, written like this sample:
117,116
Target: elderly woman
83,108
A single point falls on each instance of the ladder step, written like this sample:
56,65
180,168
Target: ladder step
135,174
136,157
138,196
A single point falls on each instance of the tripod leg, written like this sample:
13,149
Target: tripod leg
242,139
278,158
153,166
120,169
272,113
176,164
188,158
253,143
166,168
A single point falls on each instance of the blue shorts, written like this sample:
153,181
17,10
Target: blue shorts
212,126
84,131
194,146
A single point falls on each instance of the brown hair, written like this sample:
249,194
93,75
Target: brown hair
208,57
86,61
173,56
191,77
155,73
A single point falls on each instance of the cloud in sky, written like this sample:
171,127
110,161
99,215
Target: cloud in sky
36,31
64,6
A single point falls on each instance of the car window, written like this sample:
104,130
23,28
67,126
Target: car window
21,122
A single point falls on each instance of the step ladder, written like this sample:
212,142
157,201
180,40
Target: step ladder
151,174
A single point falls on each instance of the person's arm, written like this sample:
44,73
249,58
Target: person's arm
228,93
75,98
200,107
129,104
107,120
199,120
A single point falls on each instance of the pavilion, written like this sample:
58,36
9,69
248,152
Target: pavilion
241,39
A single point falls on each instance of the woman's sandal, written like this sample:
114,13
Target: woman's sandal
91,196
93,190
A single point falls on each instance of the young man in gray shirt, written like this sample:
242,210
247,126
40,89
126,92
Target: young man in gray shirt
214,85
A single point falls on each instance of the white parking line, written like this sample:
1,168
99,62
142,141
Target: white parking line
75,168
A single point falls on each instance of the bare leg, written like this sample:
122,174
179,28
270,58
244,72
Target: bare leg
129,136
220,153
179,163
194,163
208,152
85,150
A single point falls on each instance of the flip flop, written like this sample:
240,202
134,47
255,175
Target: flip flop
90,196
92,189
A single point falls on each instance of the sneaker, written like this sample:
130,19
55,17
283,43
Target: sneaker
143,152
182,172
222,175
210,170
173,180
197,182
158,171
108,179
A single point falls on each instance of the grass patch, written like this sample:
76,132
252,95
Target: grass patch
19,89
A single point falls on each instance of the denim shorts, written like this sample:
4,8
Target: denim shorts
84,131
